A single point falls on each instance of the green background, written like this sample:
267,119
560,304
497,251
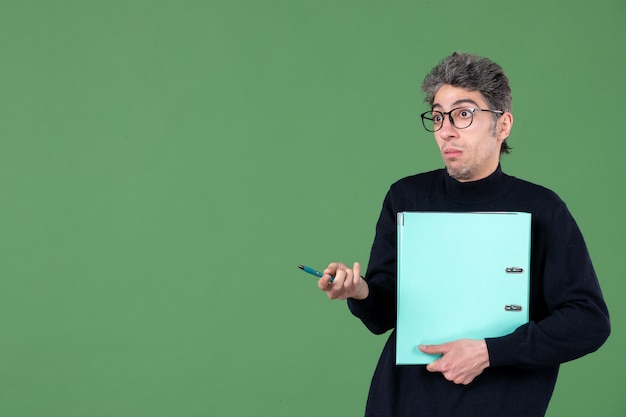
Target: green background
165,165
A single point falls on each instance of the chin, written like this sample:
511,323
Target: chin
459,174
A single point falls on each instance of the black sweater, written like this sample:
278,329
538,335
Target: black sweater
568,316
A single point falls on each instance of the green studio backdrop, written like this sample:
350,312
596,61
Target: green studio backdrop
165,165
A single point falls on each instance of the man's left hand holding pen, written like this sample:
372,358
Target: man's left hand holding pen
347,282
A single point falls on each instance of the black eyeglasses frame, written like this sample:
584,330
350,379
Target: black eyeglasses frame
424,117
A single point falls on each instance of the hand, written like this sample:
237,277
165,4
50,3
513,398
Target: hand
462,360
348,283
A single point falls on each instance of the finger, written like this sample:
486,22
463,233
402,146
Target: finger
343,291
324,283
333,267
335,288
432,349
435,366
345,283
357,272
339,277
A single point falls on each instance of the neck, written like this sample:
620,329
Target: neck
484,189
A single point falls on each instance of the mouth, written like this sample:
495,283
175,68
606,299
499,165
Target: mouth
452,152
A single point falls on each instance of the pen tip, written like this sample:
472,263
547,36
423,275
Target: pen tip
301,266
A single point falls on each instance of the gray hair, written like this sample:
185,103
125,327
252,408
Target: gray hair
474,73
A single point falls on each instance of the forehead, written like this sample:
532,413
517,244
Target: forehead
448,97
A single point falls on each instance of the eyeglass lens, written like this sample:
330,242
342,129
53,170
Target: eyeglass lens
459,118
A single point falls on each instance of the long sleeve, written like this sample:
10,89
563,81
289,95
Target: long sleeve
569,317
378,310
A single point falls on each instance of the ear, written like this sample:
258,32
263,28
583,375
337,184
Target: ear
505,123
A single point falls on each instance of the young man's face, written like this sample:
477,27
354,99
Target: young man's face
472,153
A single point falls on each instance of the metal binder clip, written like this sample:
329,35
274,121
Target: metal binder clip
512,307
514,270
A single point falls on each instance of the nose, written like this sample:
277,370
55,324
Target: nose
447,131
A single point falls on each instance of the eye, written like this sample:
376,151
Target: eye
437,118
465,113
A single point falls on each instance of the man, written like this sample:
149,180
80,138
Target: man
513,375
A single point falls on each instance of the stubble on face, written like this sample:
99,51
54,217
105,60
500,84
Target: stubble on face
467,170
461,173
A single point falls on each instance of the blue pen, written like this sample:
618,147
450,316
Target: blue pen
314,272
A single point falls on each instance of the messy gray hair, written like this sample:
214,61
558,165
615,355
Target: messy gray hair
474,73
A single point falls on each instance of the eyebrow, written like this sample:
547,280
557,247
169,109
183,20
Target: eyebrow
461,101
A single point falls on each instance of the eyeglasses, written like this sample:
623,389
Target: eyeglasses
461,117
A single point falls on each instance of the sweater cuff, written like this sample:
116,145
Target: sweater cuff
361,307
500,353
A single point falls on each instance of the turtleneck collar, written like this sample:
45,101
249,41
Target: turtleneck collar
480,191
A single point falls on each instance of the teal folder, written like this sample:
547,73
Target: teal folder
460,275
